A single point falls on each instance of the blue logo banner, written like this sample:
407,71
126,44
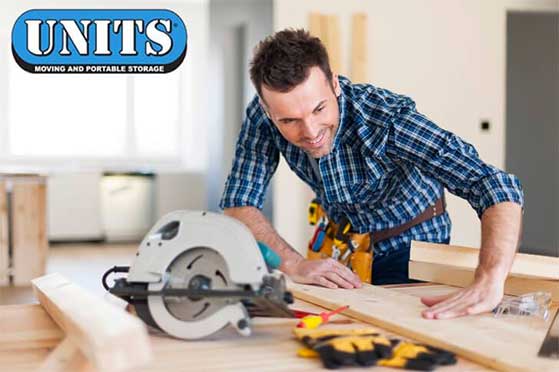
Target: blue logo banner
99,41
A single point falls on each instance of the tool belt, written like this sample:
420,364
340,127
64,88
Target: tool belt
432,211
336,240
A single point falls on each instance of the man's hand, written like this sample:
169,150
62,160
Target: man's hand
500,231
482,296
324,272
327,272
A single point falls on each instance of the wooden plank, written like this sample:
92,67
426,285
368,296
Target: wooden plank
359,48
327,29
460,277
27,326
66,357
270,347
108,336
4,258
333,43
29,240
427,289
315,25
509,344
524,265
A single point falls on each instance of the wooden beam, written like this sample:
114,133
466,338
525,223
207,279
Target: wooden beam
110,338
327,29
525,265
27,326
359,48
333,43
509,344
315,25
66,357
460,277
4,255
30,245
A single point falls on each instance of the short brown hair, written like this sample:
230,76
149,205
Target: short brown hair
282,61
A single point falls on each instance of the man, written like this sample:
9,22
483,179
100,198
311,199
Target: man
370,156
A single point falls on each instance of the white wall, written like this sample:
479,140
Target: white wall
74,202
448,55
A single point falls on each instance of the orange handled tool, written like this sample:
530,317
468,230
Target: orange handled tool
313,321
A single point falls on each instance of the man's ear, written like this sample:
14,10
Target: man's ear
336,85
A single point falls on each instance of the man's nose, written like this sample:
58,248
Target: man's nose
310,128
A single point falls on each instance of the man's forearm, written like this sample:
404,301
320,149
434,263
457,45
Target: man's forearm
263,231
500,233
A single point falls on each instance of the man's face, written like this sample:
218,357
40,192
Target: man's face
308,115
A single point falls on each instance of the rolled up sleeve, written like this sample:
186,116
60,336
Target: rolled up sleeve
256,159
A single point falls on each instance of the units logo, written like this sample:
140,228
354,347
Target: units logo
99,41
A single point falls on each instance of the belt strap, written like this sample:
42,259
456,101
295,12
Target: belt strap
432,211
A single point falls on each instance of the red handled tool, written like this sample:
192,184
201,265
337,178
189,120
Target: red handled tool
313,321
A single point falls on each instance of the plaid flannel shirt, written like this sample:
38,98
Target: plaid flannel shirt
388,163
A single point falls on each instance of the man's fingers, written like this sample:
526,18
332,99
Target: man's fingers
433,300
347,274
480,307
325,282
339,280
456,311
442,306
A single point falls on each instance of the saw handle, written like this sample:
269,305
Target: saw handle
272,259
114,269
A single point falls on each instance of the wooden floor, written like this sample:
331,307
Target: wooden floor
83,264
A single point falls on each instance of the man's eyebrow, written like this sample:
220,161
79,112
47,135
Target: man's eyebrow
314,110
319,104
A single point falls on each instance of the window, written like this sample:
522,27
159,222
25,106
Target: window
105,121
66,115
90,117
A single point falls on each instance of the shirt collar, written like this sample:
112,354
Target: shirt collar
342,133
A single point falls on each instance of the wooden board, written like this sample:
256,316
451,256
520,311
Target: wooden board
315,24
359,48
327,29
27,326
461,277
333,43
525,265
110,338
500,343
4,258
29,240
271,347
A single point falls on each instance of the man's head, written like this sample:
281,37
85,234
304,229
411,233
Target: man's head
291,72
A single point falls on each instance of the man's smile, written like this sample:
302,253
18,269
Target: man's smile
318,141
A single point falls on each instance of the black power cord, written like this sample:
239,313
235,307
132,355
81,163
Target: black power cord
114,269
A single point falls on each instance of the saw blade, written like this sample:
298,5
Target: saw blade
197,268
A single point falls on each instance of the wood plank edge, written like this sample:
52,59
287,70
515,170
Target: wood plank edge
392,326
461,277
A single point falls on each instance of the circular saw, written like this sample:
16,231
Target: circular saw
197,272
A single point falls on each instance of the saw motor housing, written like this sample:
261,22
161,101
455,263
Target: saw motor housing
196,272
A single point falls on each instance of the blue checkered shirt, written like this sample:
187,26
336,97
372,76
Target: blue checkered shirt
388,164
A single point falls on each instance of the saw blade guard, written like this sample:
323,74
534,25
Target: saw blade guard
181,231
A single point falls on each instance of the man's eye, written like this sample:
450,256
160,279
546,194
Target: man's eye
320,109
287,121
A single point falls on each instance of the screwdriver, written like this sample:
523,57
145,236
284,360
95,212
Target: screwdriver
313,321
